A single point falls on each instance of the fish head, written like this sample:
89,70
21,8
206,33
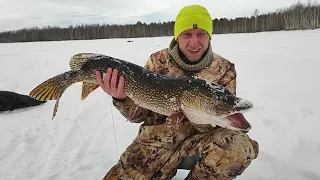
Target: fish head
213,104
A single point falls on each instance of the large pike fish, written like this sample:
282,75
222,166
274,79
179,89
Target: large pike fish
202,102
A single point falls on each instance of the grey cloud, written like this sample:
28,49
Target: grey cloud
17,14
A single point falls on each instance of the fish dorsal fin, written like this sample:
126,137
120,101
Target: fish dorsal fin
87,88
77,61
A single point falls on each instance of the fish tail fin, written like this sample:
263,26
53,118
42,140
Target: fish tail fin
53,88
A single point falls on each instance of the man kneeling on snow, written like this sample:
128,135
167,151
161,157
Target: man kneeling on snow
159,150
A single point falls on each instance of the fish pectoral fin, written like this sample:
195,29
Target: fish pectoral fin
175,118
135,112
87,88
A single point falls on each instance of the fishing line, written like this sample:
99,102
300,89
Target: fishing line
114,129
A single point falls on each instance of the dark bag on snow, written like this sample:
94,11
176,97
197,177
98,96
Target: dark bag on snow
11,100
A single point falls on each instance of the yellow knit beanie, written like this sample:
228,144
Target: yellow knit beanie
193,16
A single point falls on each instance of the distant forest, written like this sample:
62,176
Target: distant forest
296,17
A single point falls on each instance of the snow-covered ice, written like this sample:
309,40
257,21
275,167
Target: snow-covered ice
277,71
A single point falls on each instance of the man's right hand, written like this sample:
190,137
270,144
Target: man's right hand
109,83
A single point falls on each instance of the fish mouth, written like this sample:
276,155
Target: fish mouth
238,121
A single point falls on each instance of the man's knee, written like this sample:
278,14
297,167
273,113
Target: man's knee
230,153
225,154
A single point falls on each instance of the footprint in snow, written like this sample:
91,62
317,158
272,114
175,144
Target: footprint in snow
271,124
307,111
309,175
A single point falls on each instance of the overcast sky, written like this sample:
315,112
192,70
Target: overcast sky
16,14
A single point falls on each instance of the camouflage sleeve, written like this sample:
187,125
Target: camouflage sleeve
128,109
229,80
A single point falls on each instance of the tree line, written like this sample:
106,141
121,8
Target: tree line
296,17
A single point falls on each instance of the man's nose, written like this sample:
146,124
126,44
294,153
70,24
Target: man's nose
194,41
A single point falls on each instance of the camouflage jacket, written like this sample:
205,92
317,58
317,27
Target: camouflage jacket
212,67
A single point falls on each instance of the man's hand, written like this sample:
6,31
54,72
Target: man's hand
109,83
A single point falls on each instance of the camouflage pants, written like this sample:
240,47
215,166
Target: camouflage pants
222,154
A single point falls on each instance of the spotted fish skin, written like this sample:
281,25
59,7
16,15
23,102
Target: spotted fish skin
162,94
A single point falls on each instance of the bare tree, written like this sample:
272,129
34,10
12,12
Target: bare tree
297,16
